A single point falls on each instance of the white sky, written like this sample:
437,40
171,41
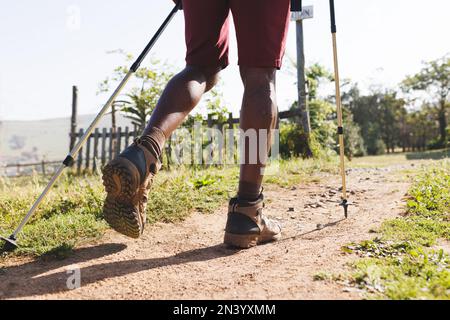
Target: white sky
43,52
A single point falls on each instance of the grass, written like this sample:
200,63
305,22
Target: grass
399,158
72,212
69,215
403,261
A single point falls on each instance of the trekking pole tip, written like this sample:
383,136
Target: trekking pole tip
345,205
10,244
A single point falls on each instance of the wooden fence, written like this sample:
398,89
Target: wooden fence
26,169
104,144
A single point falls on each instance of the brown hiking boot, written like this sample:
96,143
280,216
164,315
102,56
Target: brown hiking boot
247,226
127,180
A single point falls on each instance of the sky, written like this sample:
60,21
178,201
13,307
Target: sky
47,46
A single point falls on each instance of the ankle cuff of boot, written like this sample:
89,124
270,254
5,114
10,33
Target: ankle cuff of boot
154,141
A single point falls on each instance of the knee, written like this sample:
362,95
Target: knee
211,80
209,75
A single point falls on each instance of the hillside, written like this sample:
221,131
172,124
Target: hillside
25,141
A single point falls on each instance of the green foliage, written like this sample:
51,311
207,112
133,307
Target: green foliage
204,181
315,75
70,215
354,145
215,107
141,99
322,123
431,194
378,117
402,263
434,81
414,275
294,143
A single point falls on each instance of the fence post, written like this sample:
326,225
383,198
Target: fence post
169,153
119,140
127,137
94,163
73,121
111,142
103,146
230,143
80,154
135,131
88,152
210,136
43,167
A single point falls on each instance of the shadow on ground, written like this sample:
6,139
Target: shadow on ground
25,280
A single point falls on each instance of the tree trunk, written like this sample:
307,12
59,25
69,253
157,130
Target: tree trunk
442,118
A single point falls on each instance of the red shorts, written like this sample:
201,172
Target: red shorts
261,31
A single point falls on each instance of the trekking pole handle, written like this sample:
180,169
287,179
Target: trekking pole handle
333,17
152,42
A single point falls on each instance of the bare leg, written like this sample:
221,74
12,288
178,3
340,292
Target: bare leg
180,96
259,111
128,177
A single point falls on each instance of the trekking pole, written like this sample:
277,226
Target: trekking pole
11,241
344,202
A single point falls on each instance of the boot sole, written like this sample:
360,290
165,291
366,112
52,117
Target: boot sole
247,241
121,216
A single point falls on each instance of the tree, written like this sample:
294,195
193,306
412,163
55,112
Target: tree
353,140
316,74
390,111
320,113
434,81
382,117
149,83
364,110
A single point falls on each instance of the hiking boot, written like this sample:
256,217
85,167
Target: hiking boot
247,226
127,180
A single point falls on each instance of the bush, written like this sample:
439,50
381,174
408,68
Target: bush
295,143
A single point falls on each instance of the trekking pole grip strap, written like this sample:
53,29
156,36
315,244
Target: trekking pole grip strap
333,17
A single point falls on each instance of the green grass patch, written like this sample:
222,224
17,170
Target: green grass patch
403,262
400,159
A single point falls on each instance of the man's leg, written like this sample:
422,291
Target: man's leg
259,113
261,29
128,178
246,225
180,96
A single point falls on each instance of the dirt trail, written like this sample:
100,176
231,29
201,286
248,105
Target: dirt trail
188,261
